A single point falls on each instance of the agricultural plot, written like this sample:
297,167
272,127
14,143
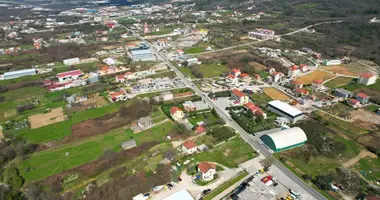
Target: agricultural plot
309,78
230,153
275,94
339,69
212,70
44,119
338,81
46,163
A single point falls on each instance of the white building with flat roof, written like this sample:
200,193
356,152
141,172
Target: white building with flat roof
180,195
285,110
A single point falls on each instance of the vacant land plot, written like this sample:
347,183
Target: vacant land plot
339,70
229,154
308,79
356,68
257,66
340,109
44,119
212,69
220,54
275,94
193,50
260,98
370,168
46,163
338,81
364,119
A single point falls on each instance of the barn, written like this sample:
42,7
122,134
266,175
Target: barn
285,139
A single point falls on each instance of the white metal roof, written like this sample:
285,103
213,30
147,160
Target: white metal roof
180,195
288,137
20,72
285,107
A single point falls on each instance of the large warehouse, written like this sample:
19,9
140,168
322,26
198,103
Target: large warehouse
285,110
285,139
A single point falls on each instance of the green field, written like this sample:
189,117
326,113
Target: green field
369,168
194,50
225,186
208,118
229,154
212,70
260,98
186,71
61,129
338,81
49,162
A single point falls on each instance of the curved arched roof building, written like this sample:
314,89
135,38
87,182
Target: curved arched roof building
285,139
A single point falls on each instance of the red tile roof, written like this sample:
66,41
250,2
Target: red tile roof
189,144
251,106
367,75
116,94
120,76
295,82
354,101
259,112
235,70
257,75
205,166
318,81
362,95
244,75
294,68
230,76
174,109
238,93
70,73
200,129
303,65
301,91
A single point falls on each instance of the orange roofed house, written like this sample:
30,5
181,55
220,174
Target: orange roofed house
189,147
207,171
176,113
239,96
367,79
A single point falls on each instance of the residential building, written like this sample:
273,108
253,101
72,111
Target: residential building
118,96
367,79
120,78
304,68
128,144
189,106
192,61
332,62
166,96
261,33
163,42
297,84
362,98
285,110
189,147
261,113
251,107
176,113
207,171
70,75
180,52
317,84
239,97
293,72
300,91
182,195
200,129
142,55
19,73
145,122
340,92
200,105
354,103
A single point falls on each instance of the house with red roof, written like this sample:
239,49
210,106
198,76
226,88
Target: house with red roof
303,68
367,79
317,84
189,147
293,71
354,103
362,98
176,113
257,77
297,84
180,52
245,77
120,78
70,75
207,171
239,96
118,96
200,129
300,91
251,106
261,113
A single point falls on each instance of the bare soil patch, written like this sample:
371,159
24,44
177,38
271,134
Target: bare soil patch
221,54
365,119
275,94
339,70
309,78
44,119
257,66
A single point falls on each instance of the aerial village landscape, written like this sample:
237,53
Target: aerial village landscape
187,100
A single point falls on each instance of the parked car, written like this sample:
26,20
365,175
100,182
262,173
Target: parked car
206,191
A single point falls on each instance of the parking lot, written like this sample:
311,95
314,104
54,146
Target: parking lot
152,85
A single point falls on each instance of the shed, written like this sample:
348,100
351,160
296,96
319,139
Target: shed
128,144
285,139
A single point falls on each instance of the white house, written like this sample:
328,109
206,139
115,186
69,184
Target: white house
70,75
118,96
207,171
120,78
166,96
189,147
239,96
367,79
71,61
192,61
317,84
293,72
176,113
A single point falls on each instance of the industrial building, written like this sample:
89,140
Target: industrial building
19,73
286,110
285,139
141,53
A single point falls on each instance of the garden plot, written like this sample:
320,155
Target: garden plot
44,119
308,79
339,70
275,94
